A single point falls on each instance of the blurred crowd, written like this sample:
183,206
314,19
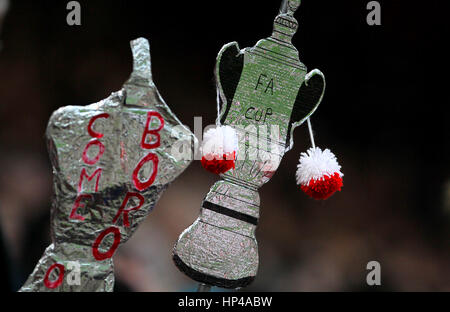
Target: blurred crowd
395,204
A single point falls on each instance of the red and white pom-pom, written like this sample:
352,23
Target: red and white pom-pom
319,173
219,149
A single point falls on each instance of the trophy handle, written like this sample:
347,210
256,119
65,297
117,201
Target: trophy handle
308,99
229,65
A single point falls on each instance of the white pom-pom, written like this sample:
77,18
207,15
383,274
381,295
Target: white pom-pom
319,173
219,149
315,163
220,140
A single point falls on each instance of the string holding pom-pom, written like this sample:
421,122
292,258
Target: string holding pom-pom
319,173
219,149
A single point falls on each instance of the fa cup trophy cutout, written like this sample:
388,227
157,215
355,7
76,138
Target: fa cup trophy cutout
263,87
111,162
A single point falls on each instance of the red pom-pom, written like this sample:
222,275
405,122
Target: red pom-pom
219,165
324,187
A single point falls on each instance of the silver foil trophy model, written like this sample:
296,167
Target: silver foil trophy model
263,87
111,162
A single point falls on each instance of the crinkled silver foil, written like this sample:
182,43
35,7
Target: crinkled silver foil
272,90
74,233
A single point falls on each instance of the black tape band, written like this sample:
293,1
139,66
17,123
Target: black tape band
230,213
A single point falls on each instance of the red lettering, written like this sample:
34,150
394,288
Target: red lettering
101,150
106,255
127,211
90,161
83,174
78,204
140,186
92,133
154,132
59,280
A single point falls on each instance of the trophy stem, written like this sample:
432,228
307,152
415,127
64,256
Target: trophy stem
220,248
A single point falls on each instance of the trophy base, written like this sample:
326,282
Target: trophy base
209,279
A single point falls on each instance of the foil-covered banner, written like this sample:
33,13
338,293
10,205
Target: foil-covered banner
111,162
267,92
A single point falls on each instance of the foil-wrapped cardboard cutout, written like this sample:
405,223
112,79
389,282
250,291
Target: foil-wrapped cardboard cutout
111,162
263,87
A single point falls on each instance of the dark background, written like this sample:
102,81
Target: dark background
384,116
